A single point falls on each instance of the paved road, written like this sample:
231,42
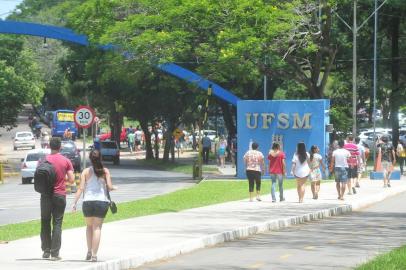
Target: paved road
337,243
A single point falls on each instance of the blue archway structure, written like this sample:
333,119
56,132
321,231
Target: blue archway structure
66,34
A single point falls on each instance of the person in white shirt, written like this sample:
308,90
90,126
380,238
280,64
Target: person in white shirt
340,167
301,169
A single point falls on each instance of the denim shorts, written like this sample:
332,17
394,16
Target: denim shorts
341,174
95,209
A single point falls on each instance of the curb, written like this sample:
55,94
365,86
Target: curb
238,233
8,174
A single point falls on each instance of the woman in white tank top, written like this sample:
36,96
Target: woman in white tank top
94,183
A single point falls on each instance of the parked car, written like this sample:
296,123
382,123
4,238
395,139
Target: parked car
30,162
110,151
107,136
24,139
69,150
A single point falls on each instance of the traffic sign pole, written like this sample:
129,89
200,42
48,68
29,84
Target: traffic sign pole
84,117
84,148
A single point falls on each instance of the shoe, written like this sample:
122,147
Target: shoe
274,201
282,200
56,258
388,185
349,193
357,185
316,197
385,186
88,256
94,259
354,190
259,199
46,255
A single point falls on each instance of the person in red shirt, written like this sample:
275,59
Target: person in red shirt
53,206
353,163
277,169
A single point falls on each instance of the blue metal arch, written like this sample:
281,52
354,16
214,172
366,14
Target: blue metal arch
66,34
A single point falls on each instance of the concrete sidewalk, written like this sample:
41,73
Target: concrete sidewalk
133,242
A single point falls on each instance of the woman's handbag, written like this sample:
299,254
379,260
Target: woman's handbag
112,205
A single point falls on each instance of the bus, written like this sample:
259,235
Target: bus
60,121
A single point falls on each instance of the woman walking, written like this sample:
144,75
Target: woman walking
255,166
315,173
277,170
95,182
221,151
301,169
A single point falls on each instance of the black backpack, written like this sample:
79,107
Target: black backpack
45,178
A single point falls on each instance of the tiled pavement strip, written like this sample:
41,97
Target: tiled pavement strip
133,242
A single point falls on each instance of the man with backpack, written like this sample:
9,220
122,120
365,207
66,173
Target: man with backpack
353,163
53,197
388,159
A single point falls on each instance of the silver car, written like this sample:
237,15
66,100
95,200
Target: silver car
30,162
24,139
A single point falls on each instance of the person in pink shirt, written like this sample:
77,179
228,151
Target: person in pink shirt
53,206
277,169
353,163
255,167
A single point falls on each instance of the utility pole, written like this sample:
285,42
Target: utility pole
375,76
355,29
265,79
354,71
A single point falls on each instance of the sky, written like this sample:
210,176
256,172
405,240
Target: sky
7,6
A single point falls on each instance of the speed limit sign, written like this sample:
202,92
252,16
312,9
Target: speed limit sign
84,116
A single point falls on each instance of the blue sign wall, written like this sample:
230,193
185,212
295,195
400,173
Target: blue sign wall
285,121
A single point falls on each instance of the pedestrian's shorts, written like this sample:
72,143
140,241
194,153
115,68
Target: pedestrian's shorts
341,174
95,209
353,172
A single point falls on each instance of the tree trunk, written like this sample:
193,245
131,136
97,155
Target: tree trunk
147,134
395,97
156,143
228,113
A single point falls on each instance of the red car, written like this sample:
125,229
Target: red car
107,136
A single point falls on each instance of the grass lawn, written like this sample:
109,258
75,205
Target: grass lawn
174,166
393,260
203,194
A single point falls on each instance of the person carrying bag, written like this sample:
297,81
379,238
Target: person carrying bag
95,183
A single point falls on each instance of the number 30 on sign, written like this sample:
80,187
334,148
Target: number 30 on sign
84,116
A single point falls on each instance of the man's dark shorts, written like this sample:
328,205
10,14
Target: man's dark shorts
95,209
353,172
340,174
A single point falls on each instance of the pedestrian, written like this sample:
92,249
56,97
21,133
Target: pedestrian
388,159
233,151
353,163
53,206
277,169
45,140
301,169
339,166
206,144
221,151
255,167
362,161
131,140
95,182
138,138
401,153
315,161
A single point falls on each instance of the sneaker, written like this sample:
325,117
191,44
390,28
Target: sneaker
316,196
259,199
388,184
88,256
349,193
282,200
357,185
354,190
56,258
274,201
46,255
94,259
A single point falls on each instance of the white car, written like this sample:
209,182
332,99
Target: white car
24,139
30,162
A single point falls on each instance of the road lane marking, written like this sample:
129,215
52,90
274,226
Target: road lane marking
284,257
256,265
308,248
